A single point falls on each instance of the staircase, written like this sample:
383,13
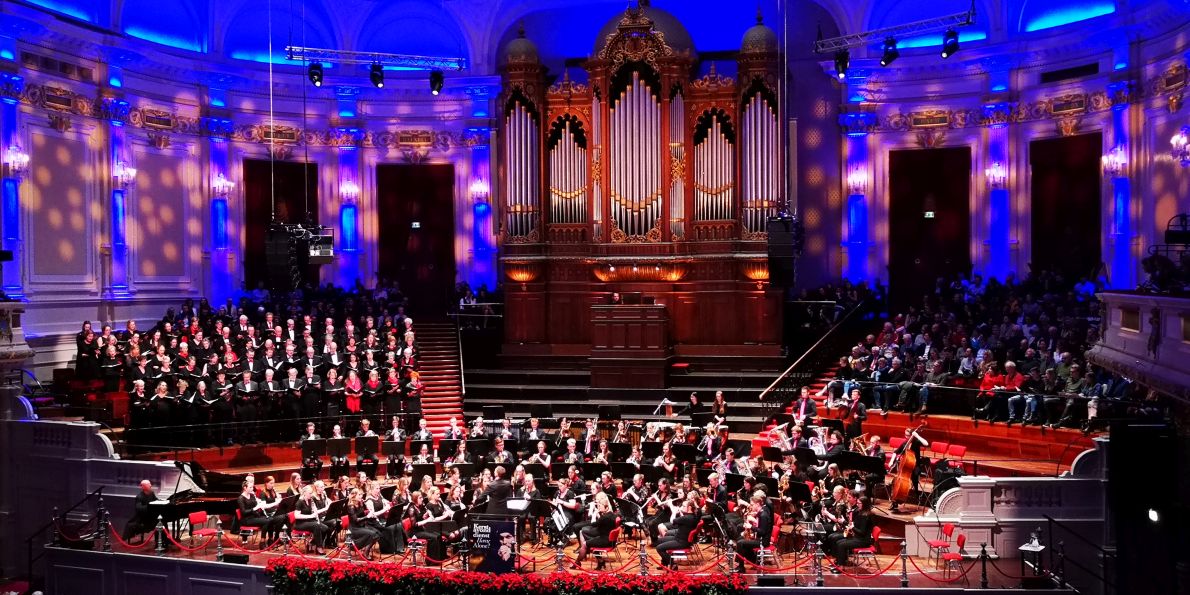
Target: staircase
441,372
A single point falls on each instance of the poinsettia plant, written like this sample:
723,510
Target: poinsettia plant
305,576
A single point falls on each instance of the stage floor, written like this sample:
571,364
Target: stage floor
794,568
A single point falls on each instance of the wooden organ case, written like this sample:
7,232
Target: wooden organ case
644,181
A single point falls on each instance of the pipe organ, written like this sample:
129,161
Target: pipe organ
655,181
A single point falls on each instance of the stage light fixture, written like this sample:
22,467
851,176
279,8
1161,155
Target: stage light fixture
890,52
950,43
437,80
842,61
377,75
315,73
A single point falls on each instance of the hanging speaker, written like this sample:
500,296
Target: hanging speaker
782,251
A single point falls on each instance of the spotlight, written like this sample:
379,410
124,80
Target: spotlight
950,43
377,75
1154,516
890,52
842,60
437,79
315,73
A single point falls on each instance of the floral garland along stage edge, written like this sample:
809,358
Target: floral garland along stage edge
297,576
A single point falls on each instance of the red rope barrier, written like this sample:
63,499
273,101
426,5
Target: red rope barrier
865,576
247,551
774,569
713,564
124,544
940,580
76,537
630,562
189,549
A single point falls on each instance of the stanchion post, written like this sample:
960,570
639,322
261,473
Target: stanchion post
818,564
1061,569
54,520
644,557
349,545
465,555
159,535
904,568
731,561
218,540
284,537
105,539
983,565
559,558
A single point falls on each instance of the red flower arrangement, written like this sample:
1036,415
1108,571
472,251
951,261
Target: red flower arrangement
304,576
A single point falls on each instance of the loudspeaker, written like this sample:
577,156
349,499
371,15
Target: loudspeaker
782,248
770,580
231,558
945,469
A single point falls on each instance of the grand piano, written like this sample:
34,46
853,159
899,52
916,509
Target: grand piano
199,490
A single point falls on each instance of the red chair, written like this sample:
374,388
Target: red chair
955,559
414,544
771,552
601,553
957,452
690,552
298,534
940,546
939,448
895,442
246,532
199,519
869,553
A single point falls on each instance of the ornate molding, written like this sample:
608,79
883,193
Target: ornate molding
635,40
1068,126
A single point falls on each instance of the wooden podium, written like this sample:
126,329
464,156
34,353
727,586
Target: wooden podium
629,346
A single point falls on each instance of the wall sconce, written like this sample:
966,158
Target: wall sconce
349,192
857,181
480,191
1181,146
124,174
996,175
222,186
1115,163
17,161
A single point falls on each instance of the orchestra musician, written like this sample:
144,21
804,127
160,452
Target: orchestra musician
534,432
571,456
757,529
858,535
363,534
602,455
676,535
855,415
638,493
499,454
636,457
804,409
621,434
452,432
541,457
306,518
423,432
913,441
598,532
252,512
271,501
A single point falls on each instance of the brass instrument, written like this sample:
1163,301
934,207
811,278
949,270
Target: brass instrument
860,443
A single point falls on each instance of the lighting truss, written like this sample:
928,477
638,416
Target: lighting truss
877,36
304,54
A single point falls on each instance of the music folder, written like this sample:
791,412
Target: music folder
338,447
447,447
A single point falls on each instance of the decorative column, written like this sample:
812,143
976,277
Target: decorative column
116,111
16,165
997,261
348,271
1122,267
857,178
221,281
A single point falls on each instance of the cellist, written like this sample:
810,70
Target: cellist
913,443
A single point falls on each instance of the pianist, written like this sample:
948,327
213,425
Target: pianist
142,520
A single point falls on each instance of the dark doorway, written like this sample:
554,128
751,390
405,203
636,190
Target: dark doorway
292,182
415,205
929,220
1066,204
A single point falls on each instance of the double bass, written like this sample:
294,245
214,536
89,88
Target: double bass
904,464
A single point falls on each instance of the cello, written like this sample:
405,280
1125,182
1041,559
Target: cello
904,464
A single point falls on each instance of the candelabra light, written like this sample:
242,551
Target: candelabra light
857,181
1181,146
1115,163
480,191
124,174
349,192
996,174
17,161
222,186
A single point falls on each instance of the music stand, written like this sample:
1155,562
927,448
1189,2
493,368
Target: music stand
851,460
620,450
366,446
393,448
650,450
593,470
493,413
771,454
415,447
805,457
624,471
653,473
421,470
537,470
769,482
479,447
703,474
313,449
798,491
832,425
466,470
448,448
685,452
701,419
733,482
338,448
742,448
542,411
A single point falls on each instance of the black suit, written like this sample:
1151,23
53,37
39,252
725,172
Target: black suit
498,493
806,408
861,537
677,537
142,520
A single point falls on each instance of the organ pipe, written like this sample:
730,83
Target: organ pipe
635,157
568,176
714,175
521,145
760,179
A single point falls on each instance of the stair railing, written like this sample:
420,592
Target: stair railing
832,345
